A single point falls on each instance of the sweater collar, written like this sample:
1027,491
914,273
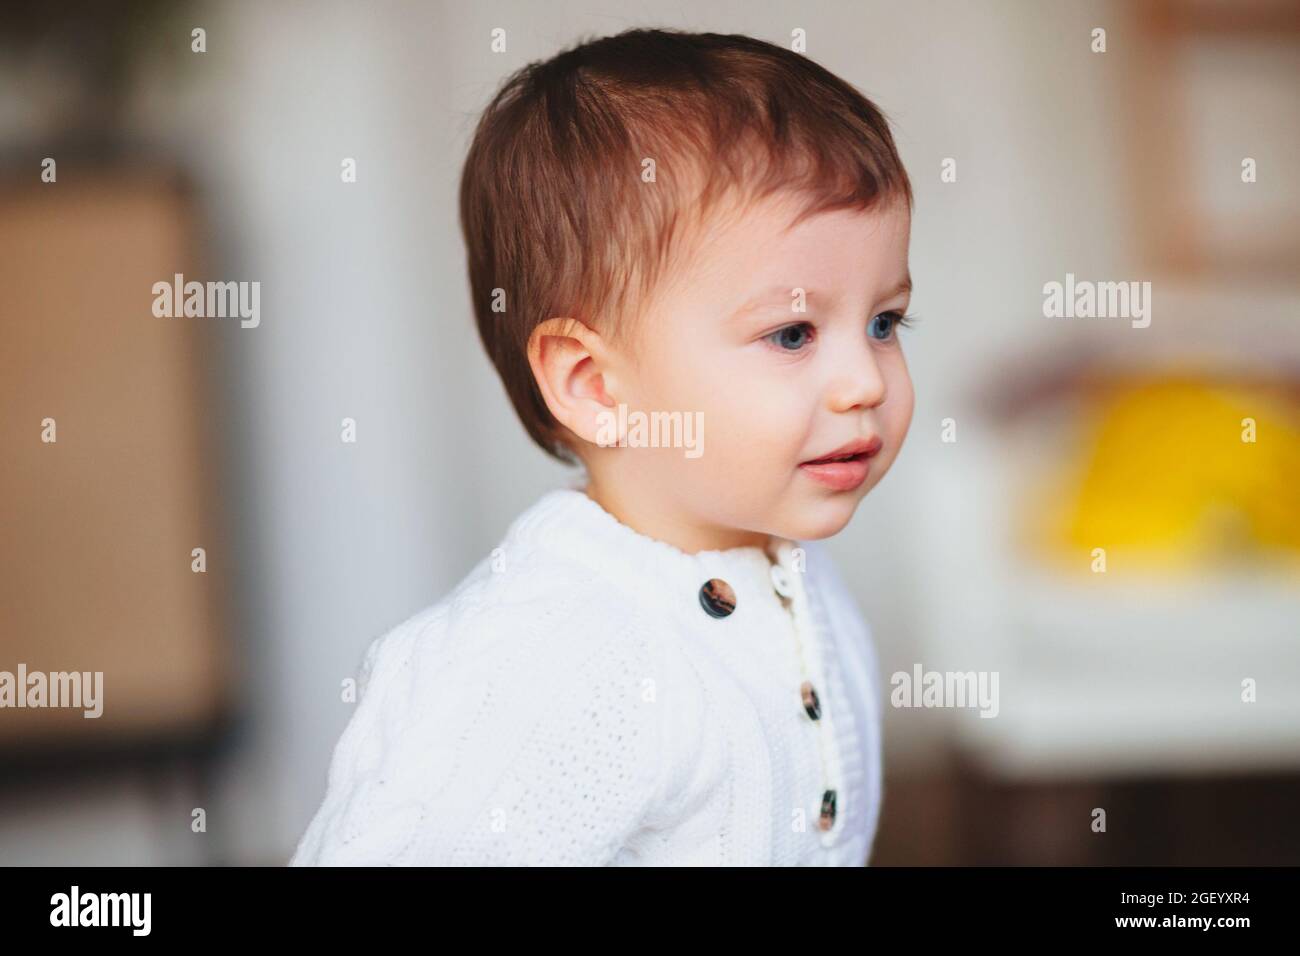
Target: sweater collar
566,522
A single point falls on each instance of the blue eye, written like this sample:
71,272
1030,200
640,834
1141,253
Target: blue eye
882,326
791,338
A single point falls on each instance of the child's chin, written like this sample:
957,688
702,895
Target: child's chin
824,519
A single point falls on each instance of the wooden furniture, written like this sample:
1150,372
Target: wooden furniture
98,527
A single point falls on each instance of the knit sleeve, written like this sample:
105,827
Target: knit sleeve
506,736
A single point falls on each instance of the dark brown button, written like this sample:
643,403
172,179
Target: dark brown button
827,818
811,704
717,598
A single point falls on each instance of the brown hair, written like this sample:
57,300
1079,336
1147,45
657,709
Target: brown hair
554,207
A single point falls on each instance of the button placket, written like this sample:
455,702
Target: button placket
719,599
831,806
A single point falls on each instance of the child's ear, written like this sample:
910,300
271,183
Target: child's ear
568,359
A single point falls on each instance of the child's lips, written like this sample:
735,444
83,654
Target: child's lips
839,475
858,446
846,468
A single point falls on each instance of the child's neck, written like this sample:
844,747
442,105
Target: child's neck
663,524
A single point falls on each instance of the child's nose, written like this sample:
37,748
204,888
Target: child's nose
858,381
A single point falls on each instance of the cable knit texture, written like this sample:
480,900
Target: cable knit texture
572,703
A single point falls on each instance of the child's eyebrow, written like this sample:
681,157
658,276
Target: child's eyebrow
783,295
778,295
904,286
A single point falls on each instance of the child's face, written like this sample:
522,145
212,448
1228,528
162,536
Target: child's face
777,387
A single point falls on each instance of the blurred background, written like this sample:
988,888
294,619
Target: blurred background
1040,446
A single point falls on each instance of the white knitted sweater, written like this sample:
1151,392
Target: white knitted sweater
571,702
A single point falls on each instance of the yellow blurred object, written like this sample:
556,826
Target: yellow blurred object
1181,472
